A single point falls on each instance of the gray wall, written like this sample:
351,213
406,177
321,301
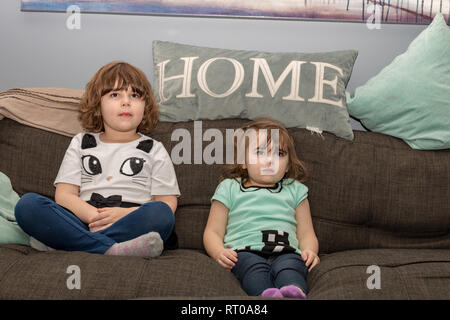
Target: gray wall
37,50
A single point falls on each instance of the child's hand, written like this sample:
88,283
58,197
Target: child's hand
310,257
107,216
227,258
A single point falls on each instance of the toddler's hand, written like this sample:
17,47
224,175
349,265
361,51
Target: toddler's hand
227,258
310,257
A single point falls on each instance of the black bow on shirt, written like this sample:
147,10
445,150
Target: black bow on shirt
98,201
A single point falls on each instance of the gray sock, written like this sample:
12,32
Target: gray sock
147,245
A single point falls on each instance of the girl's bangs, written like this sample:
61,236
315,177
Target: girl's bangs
283,139
119,80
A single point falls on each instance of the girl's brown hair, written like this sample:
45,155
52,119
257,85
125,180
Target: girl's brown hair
296,168
116,75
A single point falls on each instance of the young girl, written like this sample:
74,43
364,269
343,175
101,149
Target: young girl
116,189
259,225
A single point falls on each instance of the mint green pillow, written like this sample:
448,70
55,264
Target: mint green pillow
304,90
10,232
410,98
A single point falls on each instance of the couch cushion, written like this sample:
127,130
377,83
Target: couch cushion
30,157
373,192
376,192
29,274
190,222
403,274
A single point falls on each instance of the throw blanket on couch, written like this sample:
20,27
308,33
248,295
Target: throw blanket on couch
10,232
51,109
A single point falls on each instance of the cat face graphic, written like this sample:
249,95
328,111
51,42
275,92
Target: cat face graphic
91,165
131,166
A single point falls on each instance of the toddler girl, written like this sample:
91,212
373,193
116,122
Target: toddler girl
260,225
116,189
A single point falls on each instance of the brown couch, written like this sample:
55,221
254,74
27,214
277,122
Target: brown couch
374,202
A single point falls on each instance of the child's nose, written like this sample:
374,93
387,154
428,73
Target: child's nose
125,100
266,159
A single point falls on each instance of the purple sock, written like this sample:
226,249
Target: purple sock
292,292
272,292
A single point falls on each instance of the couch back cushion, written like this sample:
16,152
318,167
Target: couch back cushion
376,192
373,192
30,157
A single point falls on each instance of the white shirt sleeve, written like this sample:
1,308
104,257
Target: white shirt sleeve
164,180
70,169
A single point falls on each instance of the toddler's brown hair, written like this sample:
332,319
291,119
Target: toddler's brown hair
296,168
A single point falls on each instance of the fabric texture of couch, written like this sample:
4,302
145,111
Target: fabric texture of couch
375,203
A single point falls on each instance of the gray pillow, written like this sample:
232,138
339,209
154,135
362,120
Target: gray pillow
304,90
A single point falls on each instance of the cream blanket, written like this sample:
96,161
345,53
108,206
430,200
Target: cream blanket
51,109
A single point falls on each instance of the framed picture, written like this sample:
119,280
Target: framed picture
382,11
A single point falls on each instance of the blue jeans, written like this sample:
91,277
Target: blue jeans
58,228
258,272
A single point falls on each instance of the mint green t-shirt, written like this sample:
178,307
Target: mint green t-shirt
261,218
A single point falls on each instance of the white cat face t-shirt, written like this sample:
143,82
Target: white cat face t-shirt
136,170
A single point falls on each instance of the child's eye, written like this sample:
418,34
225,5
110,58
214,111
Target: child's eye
114,95
136,95
260,152
281,154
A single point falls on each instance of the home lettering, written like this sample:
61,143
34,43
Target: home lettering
260,66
